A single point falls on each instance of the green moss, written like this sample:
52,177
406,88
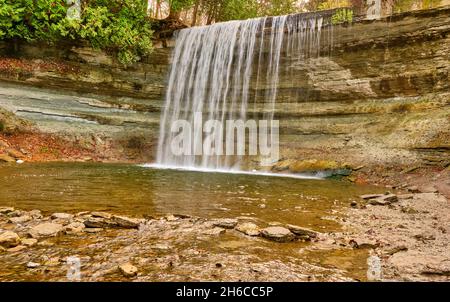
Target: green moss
342,16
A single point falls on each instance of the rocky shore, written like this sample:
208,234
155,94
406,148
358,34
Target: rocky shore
407,232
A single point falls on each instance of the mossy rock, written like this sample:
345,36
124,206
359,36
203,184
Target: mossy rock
313,165
10,123
283,165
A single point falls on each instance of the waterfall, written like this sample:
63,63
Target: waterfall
218,70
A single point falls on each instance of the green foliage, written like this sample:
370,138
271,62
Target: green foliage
179,5
119,26
342,16
408,5
238,10
246,9
280,7
330,4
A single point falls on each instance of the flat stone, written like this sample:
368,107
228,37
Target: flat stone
100,215
442,269
93,230
17,248
47,229
46,243
161,246
384,200
29,241
248,228
128,270
413,189
62,216
278,234
33,264
20,219
9,239
97,222
396,249
215,231
425,236
363,243
405,196
429,189
300,231
226,223
371,196
126,222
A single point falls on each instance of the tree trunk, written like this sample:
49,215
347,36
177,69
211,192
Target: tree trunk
194,14
173,15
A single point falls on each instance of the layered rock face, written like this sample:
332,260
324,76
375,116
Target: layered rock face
378,94
382,95
86,96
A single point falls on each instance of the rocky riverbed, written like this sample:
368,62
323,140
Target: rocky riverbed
408,232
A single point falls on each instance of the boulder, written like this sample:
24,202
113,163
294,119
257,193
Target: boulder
226,223
9,239
128,270
278,234
47,229
248,228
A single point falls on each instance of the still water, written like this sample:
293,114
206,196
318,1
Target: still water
136,191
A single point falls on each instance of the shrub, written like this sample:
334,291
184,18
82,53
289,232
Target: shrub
118,26
342,16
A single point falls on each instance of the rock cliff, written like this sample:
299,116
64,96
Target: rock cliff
381,95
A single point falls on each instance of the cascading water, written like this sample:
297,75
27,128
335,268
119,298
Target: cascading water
218,70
